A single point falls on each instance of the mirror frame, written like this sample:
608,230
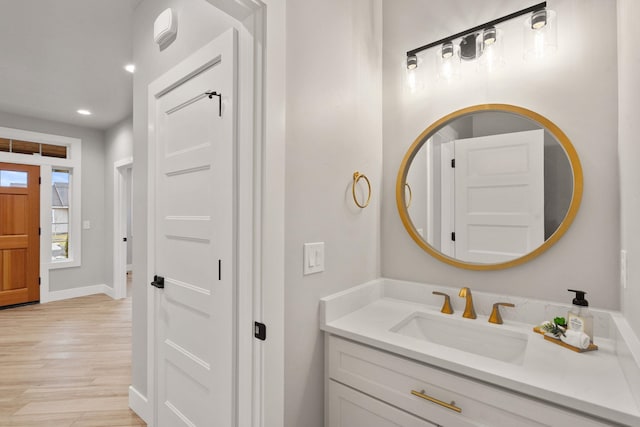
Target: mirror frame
542,121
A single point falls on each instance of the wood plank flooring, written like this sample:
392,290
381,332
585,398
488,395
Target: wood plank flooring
67,364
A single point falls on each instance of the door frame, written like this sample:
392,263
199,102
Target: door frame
74,163
120,168
261,149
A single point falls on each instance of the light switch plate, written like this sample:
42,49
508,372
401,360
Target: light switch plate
313,258
86,224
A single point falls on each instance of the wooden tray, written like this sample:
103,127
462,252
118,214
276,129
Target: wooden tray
591,347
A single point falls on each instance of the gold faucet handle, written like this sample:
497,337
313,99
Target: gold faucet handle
446,307
495,313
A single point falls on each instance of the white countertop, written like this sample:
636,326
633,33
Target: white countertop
592,382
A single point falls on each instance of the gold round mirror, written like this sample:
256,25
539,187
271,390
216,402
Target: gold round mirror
489,187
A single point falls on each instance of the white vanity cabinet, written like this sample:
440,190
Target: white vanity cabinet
367,387
350,408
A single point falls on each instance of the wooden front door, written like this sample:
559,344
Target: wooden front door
19,234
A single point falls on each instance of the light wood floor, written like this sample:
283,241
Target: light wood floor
66,364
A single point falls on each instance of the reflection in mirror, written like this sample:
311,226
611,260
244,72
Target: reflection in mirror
489,187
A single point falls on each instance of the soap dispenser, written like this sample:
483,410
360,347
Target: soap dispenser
579,317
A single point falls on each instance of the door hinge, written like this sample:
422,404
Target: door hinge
453,163
260,331
39,231
219,269
39,180
39,280
453,236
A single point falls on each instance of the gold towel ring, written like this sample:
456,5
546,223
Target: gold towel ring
406,184
356,177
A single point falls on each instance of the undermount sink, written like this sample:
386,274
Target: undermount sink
472,336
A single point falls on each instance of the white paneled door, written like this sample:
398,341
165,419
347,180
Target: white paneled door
192,115
499,196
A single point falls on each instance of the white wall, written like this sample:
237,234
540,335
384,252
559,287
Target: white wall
118,146
92,271
333,127
198,23
576,89
629,151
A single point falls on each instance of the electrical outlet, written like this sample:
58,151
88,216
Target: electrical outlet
313,258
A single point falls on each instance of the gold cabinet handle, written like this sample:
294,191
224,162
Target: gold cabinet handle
451,405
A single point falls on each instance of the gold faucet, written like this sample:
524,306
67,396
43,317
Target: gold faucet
469,311
446,306
495,313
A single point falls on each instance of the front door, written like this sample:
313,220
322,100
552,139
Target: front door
192,117
19,234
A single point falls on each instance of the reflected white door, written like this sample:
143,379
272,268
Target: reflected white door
499,200
194,235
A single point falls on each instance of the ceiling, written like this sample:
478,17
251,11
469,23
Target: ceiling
60,56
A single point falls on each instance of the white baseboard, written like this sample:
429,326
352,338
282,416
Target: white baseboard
139,404
77,292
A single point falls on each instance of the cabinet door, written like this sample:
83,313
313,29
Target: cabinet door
350,408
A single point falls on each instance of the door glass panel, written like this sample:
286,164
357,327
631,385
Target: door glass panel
13,179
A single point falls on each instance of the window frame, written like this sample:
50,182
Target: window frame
47,164
68,208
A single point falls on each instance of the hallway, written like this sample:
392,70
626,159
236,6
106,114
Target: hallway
67,363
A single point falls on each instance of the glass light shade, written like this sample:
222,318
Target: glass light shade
448,61
412,62
493,53
489,36
540,35
413,77
447,50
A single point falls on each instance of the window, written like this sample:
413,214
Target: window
13,179
59,158
60,180
27,147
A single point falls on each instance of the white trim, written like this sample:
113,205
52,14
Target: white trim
265,256
119,226
79,292
139,404
72,162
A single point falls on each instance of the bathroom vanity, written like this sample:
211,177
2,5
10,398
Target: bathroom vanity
392,358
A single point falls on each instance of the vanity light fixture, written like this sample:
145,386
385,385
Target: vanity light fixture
447,50
538,19
489,36
412,62
475,40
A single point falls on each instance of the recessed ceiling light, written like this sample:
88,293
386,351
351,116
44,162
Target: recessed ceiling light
84,112
130,68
